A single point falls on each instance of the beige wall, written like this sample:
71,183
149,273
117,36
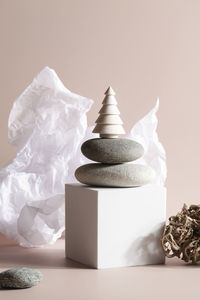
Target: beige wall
144,49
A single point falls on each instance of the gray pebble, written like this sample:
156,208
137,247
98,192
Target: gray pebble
112,151
19,278
119,175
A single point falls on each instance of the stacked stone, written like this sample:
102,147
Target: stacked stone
112,154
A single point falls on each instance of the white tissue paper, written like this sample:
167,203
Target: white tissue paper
48,124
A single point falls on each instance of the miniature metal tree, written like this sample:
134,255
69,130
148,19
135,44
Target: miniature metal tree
109,123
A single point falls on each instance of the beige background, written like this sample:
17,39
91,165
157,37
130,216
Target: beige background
144,49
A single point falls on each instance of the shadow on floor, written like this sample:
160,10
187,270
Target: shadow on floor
50,257
148,251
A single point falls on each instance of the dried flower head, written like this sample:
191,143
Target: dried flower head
181,237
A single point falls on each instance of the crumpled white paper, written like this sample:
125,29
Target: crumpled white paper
48,124
144,132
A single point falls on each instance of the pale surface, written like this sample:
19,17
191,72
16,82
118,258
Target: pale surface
64,279
114,227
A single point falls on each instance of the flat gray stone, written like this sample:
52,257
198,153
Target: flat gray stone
112,151
19,278
120,175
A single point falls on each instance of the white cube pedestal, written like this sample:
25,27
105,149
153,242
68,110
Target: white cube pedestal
115,227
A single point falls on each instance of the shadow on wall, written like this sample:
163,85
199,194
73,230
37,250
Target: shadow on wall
147,249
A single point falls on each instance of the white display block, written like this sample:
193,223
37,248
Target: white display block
115,227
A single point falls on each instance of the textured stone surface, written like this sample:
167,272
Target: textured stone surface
120,175
112,151
20,278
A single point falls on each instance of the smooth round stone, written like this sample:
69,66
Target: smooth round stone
121,175
19,278
112,151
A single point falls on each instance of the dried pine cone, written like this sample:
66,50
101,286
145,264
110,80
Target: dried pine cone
181,237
